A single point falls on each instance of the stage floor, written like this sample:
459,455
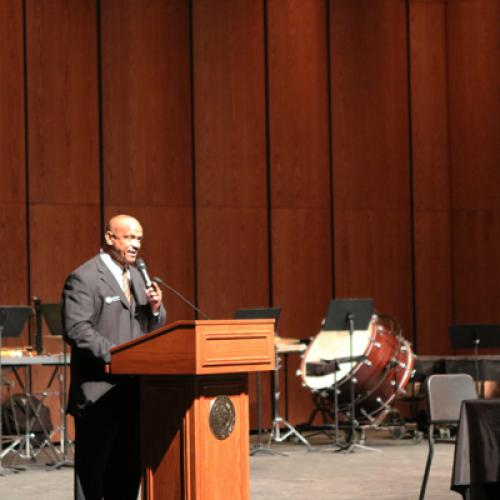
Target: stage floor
393,473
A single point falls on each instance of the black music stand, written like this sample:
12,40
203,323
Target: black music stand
12,322
475,336
327,367
53,318
260,313
351,315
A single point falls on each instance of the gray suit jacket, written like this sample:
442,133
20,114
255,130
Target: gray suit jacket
96,317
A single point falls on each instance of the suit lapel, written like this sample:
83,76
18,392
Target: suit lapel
110,280
137,286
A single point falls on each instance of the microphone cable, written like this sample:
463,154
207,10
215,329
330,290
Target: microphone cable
158,280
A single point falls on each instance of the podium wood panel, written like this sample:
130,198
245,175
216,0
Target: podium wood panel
182,458
198,348
185,366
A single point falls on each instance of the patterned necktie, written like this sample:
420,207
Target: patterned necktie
126,284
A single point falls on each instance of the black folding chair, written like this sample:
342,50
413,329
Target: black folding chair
444,393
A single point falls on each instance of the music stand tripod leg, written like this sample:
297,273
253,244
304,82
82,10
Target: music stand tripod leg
336,446
352,445
3,452
292,431
12,321
65,462
277,420
13,468
260,448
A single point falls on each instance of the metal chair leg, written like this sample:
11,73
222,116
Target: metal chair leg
428,463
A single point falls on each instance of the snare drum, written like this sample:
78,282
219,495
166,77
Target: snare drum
382,366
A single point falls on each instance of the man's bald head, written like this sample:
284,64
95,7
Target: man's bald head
121,220
123,238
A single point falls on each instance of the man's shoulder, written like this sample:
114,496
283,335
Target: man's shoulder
90,267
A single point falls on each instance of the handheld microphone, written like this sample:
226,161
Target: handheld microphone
158,280
141,267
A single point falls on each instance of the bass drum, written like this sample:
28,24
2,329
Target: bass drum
381,370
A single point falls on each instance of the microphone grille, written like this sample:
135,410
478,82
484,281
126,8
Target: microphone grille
140,263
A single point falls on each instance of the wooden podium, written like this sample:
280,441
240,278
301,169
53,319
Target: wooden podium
194,405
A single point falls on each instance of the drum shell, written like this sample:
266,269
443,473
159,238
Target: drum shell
379,377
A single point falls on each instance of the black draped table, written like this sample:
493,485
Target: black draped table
476,467
488,366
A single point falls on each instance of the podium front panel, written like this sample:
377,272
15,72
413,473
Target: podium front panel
165,402
235,347
182,456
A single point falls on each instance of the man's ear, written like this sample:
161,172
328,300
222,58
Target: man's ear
108,238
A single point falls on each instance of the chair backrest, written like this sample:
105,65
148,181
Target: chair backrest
445,393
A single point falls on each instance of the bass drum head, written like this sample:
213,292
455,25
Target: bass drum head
328,345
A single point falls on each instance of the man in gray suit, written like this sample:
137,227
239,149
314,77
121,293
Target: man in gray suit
105,303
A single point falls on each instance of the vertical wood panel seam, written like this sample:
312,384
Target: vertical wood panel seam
193,157
409,76
26,157
330,141
268,153
450,172
100,118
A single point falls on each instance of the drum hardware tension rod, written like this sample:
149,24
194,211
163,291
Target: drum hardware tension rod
384,405
395,362
367,415
398,388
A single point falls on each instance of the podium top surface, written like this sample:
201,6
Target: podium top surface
199,347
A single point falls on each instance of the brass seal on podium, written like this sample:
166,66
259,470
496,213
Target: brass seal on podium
222,417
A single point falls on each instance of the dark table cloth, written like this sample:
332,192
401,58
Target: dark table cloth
476,467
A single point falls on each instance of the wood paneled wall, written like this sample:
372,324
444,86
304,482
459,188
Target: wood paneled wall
432,235
147,170
298,83
277,152
13,196
455,135
371,157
